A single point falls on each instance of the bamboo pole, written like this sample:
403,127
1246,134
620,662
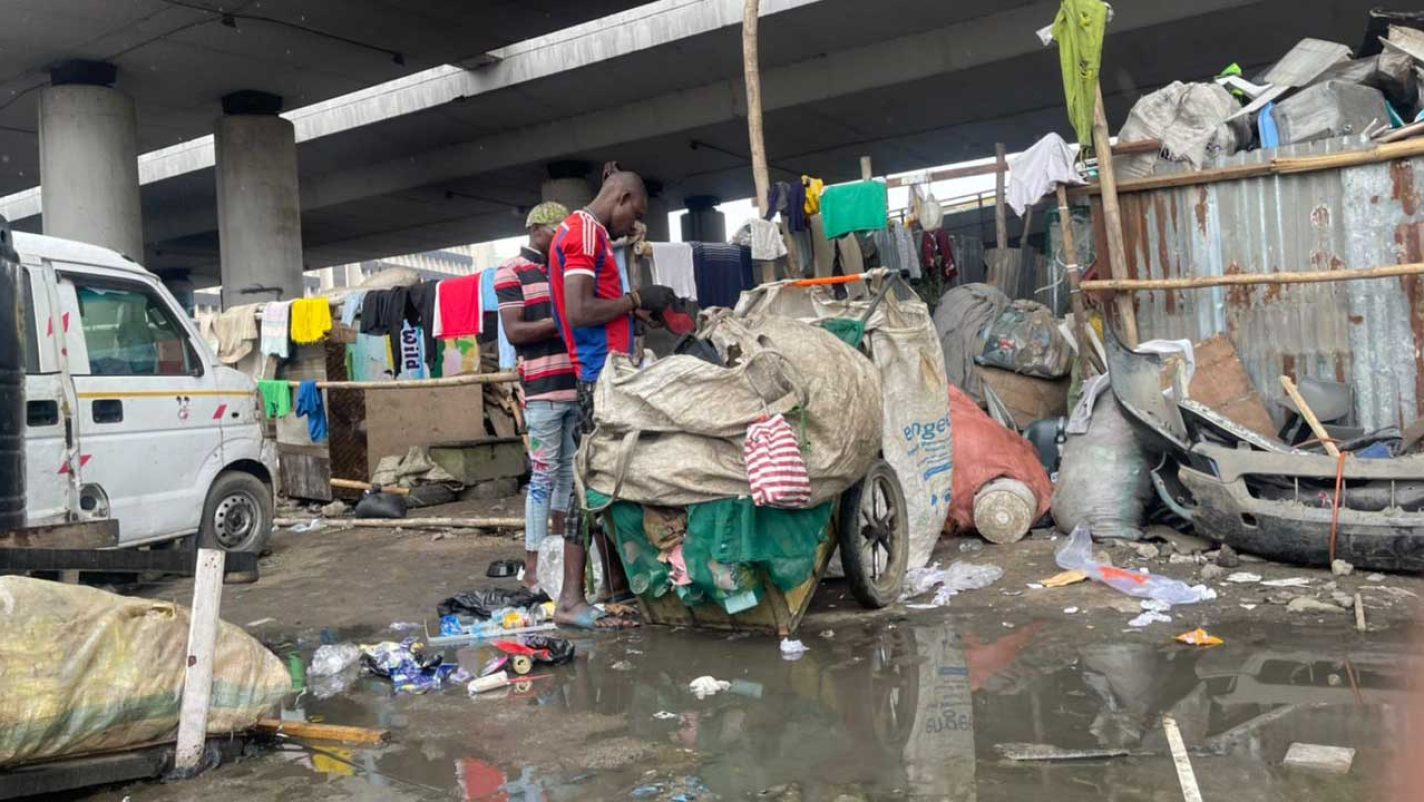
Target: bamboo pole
1112,219
1121,148
508,377
1001,217
751,14
415,523
1390,151
1310,419
352,484
1073,271
1239,279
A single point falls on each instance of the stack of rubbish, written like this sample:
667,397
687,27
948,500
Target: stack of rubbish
1009,356
492,613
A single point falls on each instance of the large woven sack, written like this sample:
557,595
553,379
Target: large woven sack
671,433
84,671
915,423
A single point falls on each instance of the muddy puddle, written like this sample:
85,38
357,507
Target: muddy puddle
920,708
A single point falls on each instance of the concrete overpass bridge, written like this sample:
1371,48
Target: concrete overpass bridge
415,125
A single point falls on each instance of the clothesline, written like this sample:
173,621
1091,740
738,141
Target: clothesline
507,377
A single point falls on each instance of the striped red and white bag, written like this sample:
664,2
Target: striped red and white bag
775,468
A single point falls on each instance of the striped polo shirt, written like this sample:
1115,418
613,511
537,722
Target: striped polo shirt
544,368
581,246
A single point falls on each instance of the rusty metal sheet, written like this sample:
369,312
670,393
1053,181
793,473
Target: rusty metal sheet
1368,334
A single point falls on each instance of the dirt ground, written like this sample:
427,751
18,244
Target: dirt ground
902,703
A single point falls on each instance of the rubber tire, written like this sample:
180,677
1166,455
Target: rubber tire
229,483
871,594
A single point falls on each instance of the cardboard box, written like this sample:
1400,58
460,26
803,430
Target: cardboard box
1221,383
1028,398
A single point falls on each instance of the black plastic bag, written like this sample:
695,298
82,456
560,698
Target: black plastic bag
376,504
550,650
483,603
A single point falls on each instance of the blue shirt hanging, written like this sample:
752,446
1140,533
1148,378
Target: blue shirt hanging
310,406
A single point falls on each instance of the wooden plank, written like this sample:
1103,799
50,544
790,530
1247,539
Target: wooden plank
1112,220
1239,279
84,535
1221,383
322,732
1314,423
305,472
352,484
1001,217
202,642
1074,272
464,379
416,523
761,179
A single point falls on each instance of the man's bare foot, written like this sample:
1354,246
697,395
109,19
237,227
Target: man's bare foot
586,616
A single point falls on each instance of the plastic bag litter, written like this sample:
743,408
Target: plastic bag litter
407,665
1025,339
958,577
792,649
333,658
703,687
483,603
1077,554
551,567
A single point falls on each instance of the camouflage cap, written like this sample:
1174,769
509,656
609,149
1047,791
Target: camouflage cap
548,213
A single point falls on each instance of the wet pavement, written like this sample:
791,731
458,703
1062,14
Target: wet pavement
896,704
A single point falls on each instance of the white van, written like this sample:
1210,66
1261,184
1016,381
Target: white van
128,413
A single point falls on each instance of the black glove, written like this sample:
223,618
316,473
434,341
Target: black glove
655,297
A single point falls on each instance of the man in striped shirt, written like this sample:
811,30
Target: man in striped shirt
546,375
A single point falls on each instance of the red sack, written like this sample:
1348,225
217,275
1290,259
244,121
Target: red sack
983,452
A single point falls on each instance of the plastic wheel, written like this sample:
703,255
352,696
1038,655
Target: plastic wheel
873,530
237,515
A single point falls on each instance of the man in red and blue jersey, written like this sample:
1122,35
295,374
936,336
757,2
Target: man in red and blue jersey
595,311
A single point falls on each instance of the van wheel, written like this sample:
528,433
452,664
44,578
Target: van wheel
237,515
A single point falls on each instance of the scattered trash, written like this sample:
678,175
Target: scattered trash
1317,757
1343,599
313,525
404,626
407,665
792,649
951,581
1077,554
1199,637
486,602
969,546
491,682
622,665
706,686
259,622
1306,604
1070,610
1243,577
663,715
1375,578
1341,568
1289,582
502,569
1063,579
1181,559
333,658
828,633
1148,617
1249,606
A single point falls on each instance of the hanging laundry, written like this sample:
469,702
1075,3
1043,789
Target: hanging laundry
722,272
369,359
311,320
886,249
776,470
412,358
508,357
236,329
822,249
383,313
672,267
796,208
857,206
461,310
422,313
937,254
276,398
905,246
814,187
1039,170
351,306
311,407
275,320
766,242
851,259
1079,29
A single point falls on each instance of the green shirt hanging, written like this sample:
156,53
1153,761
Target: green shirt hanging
1079,28
860,206
276,397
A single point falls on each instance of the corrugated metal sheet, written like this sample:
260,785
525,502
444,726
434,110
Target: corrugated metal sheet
1365,333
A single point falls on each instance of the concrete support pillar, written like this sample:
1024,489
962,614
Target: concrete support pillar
702,222
573,193
657,220
88,136
179,283
259,208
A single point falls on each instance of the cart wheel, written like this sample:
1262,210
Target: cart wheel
874,536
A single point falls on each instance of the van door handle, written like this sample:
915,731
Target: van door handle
108,410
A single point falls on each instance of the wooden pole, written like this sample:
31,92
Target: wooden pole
353,484
1001,218
198,677
322,732
508,377
751,14
1238,279
415,523
1112,220
867,172
1309,414
1072,270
